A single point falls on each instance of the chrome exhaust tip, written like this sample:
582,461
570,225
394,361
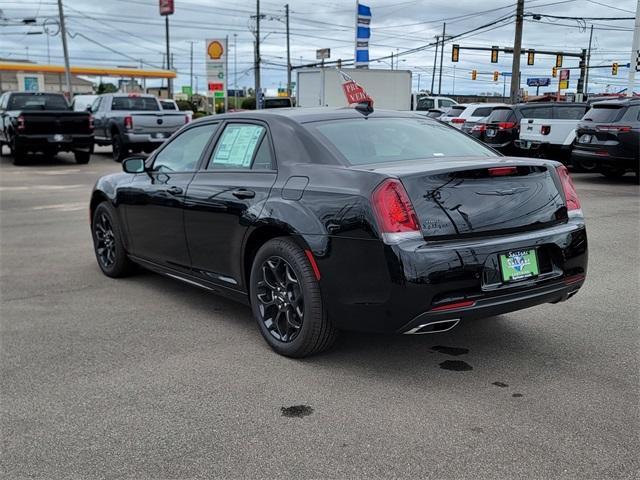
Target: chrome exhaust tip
434,327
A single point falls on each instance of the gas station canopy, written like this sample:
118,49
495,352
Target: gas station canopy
85,70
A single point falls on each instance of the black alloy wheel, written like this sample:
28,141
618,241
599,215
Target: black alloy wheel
107,242
281,299
118,148
287,302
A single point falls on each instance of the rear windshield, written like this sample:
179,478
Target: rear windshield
570,113
379,140
134,103
455,110
501,115
168,105
603,113
537,112
39,101
277,103
482,112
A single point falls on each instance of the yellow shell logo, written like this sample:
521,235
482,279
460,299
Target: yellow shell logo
215,50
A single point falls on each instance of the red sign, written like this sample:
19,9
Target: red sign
215,87
564,74
354,92
166,7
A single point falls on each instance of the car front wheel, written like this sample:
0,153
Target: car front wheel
286,300
107,242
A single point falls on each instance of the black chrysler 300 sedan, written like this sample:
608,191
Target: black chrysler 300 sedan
330,219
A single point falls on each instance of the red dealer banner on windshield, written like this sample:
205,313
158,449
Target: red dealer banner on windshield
354,92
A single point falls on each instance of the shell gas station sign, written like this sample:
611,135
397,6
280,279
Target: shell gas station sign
216,64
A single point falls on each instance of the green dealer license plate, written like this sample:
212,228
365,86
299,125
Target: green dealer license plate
518,265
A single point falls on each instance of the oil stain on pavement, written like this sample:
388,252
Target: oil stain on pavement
456,365
296,411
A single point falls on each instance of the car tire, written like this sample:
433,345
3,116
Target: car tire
107,242
118,147
82,157
283,285
585,166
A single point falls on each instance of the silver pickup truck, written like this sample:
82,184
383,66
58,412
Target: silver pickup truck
133,123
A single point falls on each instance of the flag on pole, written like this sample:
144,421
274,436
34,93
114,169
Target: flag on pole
363,33
353,92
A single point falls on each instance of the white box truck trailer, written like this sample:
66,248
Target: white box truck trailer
318,87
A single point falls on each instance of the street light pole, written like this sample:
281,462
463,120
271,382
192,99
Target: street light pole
257,55
235,70
435,64
169,80
444,32
635,53
65,50
191,69
286,10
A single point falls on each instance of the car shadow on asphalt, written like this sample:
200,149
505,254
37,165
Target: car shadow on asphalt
598,179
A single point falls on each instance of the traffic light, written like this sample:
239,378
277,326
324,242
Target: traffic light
455,53
530,57
558,60
495,76
614,69
474,74
554,72
494,53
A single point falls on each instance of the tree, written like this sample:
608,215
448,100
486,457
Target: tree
107,88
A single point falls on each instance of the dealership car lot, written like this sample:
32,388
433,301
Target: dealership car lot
148,378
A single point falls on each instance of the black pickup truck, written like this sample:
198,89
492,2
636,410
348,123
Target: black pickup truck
33,122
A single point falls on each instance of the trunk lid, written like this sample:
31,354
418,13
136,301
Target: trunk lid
153,122
464,198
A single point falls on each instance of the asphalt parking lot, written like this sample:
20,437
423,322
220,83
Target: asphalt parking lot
148,378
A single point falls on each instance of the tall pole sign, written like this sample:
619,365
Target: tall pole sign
634,67
363,33
216,63
167,8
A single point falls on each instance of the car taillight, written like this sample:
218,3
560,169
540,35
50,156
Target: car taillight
20,125
481,127
613,128
545,129
457,120
395,214
90,122
128,122
573,202
506,125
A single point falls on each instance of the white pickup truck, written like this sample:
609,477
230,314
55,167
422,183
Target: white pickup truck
554,135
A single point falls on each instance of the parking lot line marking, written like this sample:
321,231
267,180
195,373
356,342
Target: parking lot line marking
65,207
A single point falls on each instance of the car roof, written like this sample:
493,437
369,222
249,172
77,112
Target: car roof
621,102
312,114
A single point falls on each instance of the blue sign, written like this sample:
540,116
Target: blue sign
363,34
539,82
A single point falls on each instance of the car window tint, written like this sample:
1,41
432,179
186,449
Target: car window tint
236,146
425,104
446,103
456,110
482,112
631,115
38,101
538,112
377,140
96,104
135,103
603,113
263,160
570,113
183,152
501,115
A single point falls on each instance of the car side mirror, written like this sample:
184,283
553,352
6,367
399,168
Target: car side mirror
89,109
134,165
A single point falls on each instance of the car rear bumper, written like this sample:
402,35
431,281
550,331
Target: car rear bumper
156,138
374,287
606,158
64,142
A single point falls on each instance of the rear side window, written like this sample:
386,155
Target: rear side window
379,140
501,115
538,112
455,110
482,112
632,114
603,113
446,103
570,113
134,103
277,103
425,104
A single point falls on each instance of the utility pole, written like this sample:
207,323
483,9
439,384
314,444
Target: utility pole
65,50
169,80
286,11
391,60
435,64
191,69
585,88
235,70
257,56
517,49
635,53
444,31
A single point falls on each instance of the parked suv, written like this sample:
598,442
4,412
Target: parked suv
609,136
133,123
474,113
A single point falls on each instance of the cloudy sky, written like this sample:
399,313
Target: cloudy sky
127,32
